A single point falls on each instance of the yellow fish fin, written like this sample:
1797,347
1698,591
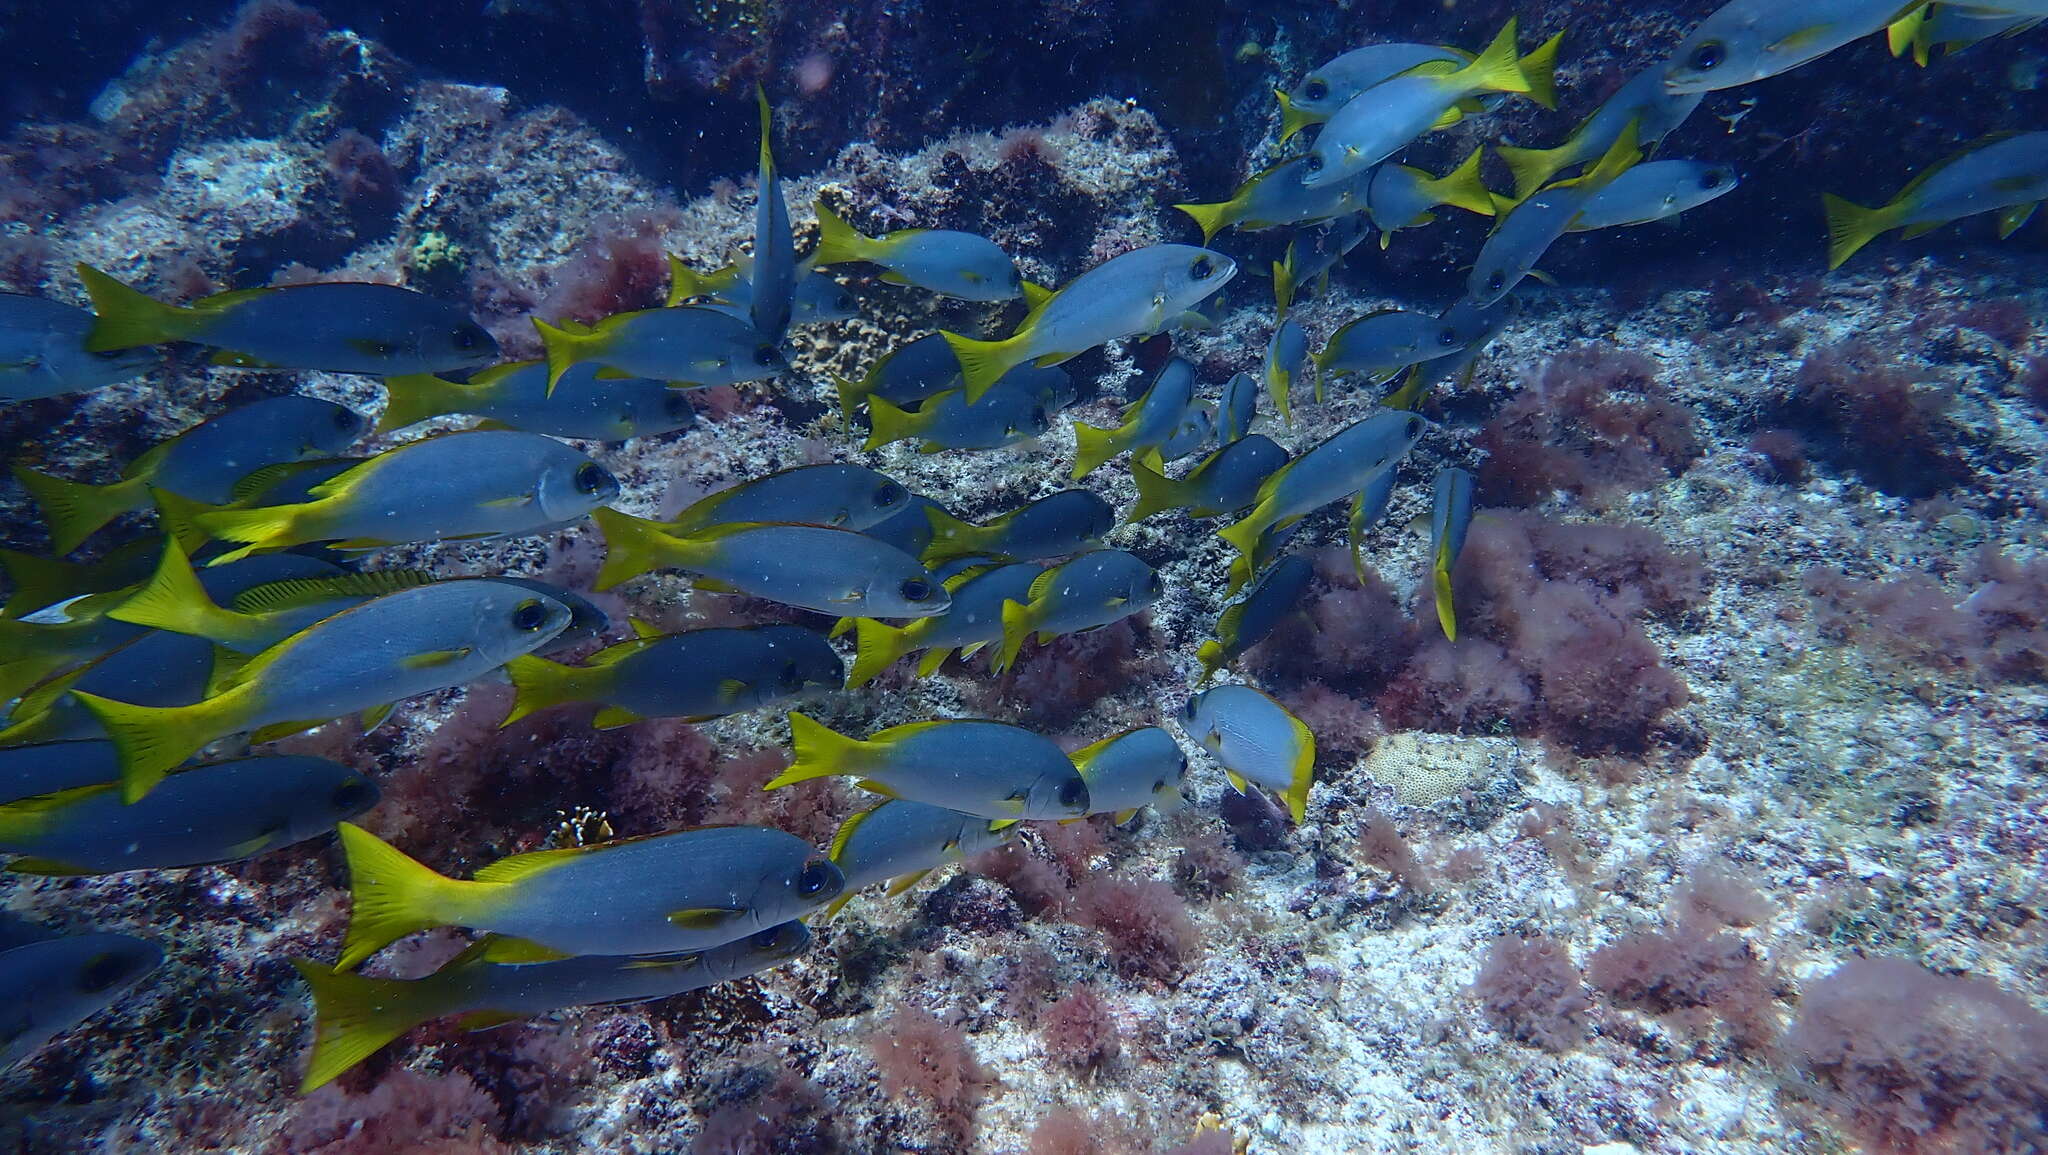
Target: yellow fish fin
392,896
430,659
816,751
613,717
520,950
705,917
151,740
983,363
354,1017
876,786
1237,782
877,646
1018,622
75,510
902,883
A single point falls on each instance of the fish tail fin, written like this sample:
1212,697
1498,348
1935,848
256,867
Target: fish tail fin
75,510
1214,218
685,283
354,1017
151,740
178,517
1498,69
266,527
565,347
952,537
127,317
632,546
1092,447
983,363
1533,168
1462,187
1540,68
391,896
887,423
1852,226
1283,285
1213,657
415,397
37,581
1018,622
816,751
876,646
1156,492
851,394
1244,535
538,683
1292,119
838,242
174,600
1440,588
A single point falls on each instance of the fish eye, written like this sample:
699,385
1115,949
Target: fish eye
1496,282
1073,792
767,355
1447,337
916,590
352,795
1712,178
101,972
1313,162
591,477
1201,269
815,878
1709,56
1316,89
887,494
529,616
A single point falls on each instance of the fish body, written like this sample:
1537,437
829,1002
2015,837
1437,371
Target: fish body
156,669
1224,482
943,261
57,983
1086,593
1148,422
1381,344
1450,517
818,297
1343,464
1476,326
689,346
836,493
356,1016
1748,40
1656,191
1322,92
1129,771
1288,360
698,675
1137,293
1528,230
823,568
1246,622
45,768
901,841
909,531
387,649
905,376
1655,110
1258,742
990,769
483,483
772,293
685,890
1401,196
43,354
1058,524
1236,408
218,812
337,327
974,621
1276,196
2009,173
1004,416
515,395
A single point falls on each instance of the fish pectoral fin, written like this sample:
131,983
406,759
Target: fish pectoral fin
375,715
516,501
520,950
610,374
905,882
655,962
730,689
704,917
485,1020
1005,824
429,659
1798,37
874,787
612,717
1237,782
256,845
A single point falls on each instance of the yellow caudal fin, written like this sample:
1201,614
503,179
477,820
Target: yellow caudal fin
1213,657
983,363
1540,69
1904,33
1018,622
632,546
876,646
1440,589
685,283
153,740
174,600
816,751
355,1017
1498,69
1533,167
952,537
538,684
415,397
178,517
1157,492
1292,119
838,242
851,394
127,317
1214,218
1283,285
1296,794
565,347
1093,447
1244,535
263,529
888,423
1851,226
1462,187
392,896
75,510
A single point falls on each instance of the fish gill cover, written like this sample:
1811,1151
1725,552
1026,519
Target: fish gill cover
1591,703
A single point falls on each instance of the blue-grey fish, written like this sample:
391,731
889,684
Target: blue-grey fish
483,483
817,298
1383,119
1086,593
355,1016
1955,28
1068,521
389,648
772,294
1005,415
47,767
836,493
975,620
991,769
1527,231
57,983
815,567
43,354
1322,92
1382,343
218,812
1226,481
1237,408
338,327
909,531
1257,740
685,890
900,841
1476,326
1246,622
952,264
1275,197
1132,770
1748,40
1197,425
696,675
1450,517
2010,173
1288,360
1138,293
1344,464
1402,196
1147,423
202,464
1655,110
515,396
905,376
1657,191
691,345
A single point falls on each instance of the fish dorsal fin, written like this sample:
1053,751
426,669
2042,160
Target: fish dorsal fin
1042,584
846,829
527,865
297,593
